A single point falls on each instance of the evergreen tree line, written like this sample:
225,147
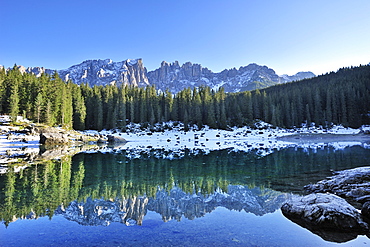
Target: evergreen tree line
335,98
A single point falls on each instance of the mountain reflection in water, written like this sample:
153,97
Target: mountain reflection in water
172,205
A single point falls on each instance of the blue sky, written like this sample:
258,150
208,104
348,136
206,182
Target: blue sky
287,36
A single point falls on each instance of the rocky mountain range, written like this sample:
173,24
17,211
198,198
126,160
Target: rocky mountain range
170,76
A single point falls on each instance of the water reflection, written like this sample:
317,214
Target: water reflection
100,188
173,204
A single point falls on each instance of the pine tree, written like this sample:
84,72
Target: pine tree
132,110
38,106
197,108
175,109
98,109
13,103
66,108
2,88
48,116
318,112
308,116
328,110
168,104
122,108
257,104
87,94
344,109
211,119
79,109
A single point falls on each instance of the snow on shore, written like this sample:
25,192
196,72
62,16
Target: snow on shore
262,138
171,137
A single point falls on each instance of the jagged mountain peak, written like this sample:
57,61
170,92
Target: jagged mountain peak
174,77
298,76
170,75
104,72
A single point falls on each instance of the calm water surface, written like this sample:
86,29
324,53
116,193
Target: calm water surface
218,198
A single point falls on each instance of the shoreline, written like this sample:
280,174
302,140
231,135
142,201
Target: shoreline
263,139
326,138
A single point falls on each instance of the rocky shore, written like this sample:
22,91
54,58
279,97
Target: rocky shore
338,208
28,143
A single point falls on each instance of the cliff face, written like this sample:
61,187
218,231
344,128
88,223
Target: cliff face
174,77
106,72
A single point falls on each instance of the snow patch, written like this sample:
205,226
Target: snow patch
262,139
132,62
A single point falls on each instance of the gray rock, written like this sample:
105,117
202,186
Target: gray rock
106,72
365,211
50,138
326,215
102,140
174,77
116,139
352,184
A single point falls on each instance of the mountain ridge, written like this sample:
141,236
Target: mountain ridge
169,76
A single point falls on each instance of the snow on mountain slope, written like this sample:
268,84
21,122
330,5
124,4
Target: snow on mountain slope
104,72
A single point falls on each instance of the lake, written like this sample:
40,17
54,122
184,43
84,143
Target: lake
164,198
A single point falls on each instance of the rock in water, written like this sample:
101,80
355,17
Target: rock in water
365,211
53,138
326,215
353,184
116,139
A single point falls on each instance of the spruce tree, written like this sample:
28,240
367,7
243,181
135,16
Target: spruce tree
98,109
122,108
38,107
13,103
168,104
79,108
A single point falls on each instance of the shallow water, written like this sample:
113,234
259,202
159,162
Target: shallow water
217,198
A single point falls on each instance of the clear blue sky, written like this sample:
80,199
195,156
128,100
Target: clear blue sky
286,35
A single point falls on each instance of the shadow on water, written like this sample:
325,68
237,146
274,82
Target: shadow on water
102,188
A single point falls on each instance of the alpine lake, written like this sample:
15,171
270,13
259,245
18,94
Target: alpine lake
167,198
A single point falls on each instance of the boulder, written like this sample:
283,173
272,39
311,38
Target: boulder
365,211
352,184
116,139
102,140
50,138
326,215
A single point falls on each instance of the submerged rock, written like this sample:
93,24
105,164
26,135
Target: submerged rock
326,215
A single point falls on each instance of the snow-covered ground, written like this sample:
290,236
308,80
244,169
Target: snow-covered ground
263,138
170,137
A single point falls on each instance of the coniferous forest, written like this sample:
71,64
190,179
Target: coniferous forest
341,97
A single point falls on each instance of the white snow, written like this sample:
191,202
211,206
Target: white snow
11,147
172,141
264,140
84,75
131,62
